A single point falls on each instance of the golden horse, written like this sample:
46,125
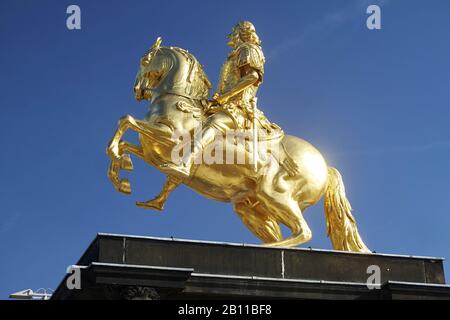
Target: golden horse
272,193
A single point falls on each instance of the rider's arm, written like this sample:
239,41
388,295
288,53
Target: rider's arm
249,78
250,62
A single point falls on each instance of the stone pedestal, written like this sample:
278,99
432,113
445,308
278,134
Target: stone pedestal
132,267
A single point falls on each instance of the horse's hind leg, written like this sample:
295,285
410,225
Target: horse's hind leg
290,215
275,192
258,221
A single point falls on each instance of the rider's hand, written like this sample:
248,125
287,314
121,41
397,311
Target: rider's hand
214,99
219,99
210,104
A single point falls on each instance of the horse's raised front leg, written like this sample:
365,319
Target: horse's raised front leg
158,202
125,123
125,149
117,152
123,162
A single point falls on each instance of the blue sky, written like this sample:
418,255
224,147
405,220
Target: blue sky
375,103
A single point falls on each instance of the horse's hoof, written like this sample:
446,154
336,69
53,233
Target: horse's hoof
111,151
153,205
126,163
125,186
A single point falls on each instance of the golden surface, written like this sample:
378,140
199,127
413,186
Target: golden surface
264,193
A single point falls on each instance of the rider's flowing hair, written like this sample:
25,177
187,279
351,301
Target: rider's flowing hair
245,31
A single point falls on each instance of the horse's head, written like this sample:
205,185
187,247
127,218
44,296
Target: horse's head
149,74
170,70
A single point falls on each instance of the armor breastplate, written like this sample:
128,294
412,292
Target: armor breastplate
230,76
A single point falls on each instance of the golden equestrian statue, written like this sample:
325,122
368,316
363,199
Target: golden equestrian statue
275,177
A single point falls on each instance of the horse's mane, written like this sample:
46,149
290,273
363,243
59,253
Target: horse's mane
199,82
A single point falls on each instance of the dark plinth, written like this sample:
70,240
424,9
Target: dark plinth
130,267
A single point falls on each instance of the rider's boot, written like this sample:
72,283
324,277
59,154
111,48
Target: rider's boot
183,167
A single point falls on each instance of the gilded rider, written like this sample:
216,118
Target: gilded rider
232,106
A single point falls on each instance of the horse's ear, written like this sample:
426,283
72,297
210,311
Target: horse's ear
152,52
157,44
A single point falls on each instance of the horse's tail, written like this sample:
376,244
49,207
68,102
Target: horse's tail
341,225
